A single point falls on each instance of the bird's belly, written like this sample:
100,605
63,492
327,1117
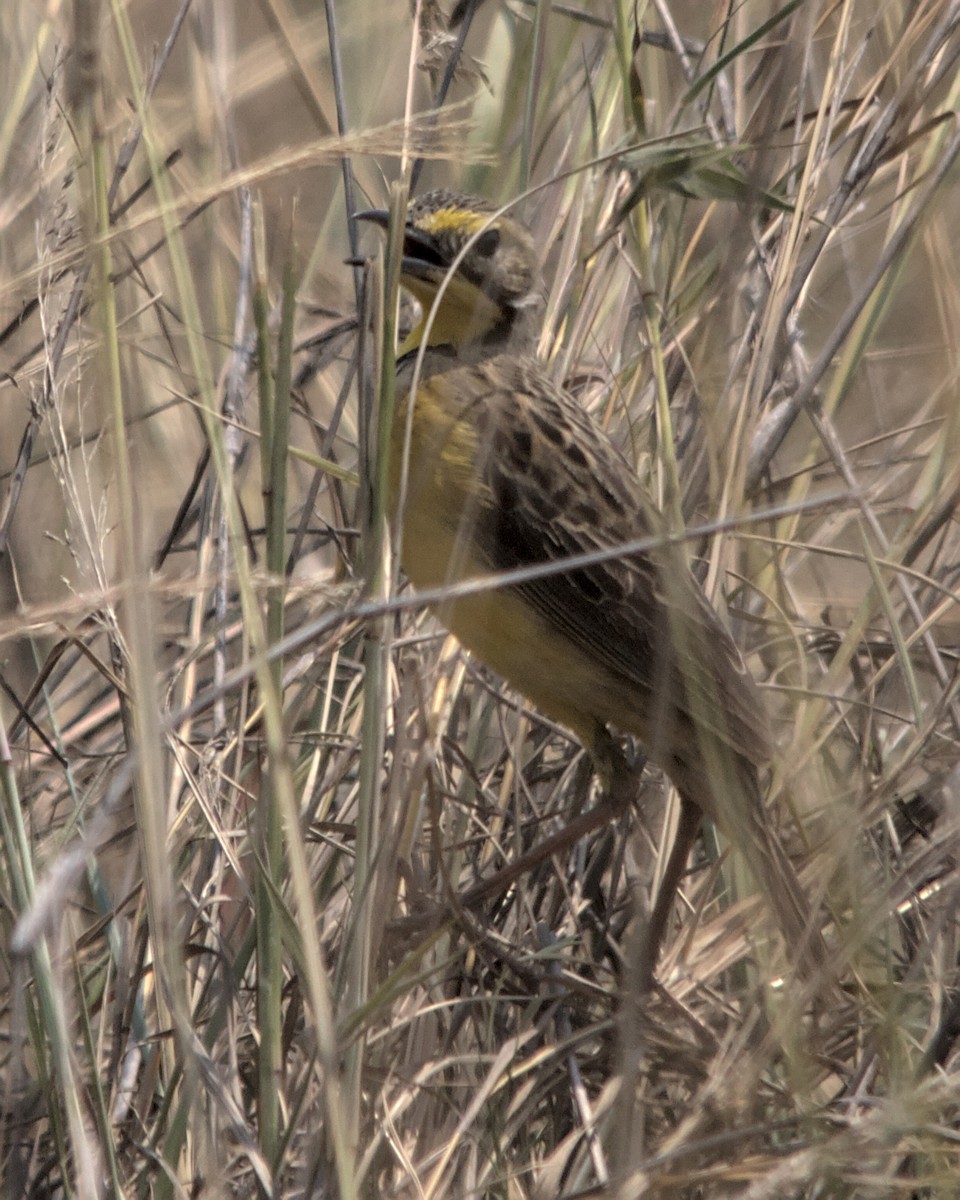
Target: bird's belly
504,632
508,636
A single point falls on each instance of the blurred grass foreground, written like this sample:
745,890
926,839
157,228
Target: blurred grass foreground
259,930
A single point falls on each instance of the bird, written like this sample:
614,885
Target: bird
492,467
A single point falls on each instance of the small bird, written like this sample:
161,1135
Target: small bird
502,469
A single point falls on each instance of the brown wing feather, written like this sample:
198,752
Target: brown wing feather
560,488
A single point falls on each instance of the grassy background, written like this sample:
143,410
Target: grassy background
257,937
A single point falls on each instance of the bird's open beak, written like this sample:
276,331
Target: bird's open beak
466,312
421,258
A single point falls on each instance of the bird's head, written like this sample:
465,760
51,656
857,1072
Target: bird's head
487,261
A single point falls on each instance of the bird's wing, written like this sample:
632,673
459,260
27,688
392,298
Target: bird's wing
560,488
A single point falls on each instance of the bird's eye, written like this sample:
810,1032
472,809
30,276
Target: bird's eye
487,243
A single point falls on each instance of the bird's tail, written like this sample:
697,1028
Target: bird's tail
745,822
798,922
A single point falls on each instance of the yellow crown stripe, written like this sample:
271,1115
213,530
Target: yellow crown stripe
452,220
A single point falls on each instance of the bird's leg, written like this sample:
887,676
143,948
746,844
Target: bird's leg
620,779
687,828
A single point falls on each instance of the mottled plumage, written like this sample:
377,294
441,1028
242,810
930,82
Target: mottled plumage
504,469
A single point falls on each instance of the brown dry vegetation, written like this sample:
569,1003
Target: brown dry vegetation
256,934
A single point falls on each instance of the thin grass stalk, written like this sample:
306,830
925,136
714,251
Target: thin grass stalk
267,825
139,624
44,1036
375,536
541,23
276,512
346,167
171,1132
671,496
14,106
269,815
98,1103
21,885
628,18
669,472
47,1037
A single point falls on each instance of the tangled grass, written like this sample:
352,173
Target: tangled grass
261,926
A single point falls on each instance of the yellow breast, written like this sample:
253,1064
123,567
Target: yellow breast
444,503
442,495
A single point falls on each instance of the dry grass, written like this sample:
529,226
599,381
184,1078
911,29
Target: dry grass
257,933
